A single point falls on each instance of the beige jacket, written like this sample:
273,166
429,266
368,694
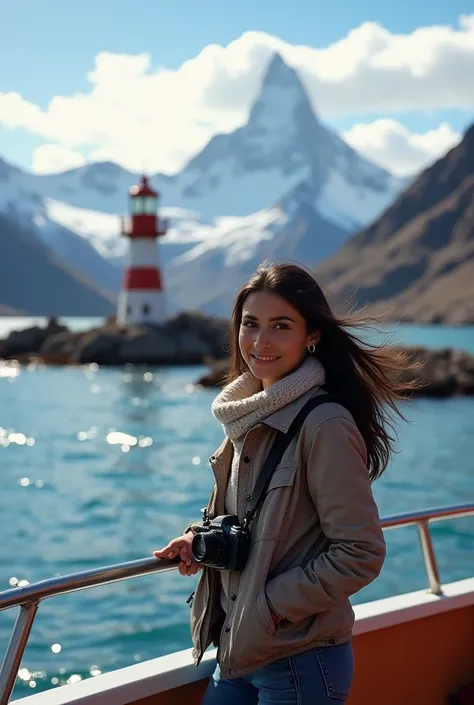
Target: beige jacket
316,541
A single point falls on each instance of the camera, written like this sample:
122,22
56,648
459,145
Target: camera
222,543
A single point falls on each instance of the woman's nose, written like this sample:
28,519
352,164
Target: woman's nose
261,340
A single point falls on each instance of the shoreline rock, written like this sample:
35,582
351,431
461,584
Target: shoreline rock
443,372
186,339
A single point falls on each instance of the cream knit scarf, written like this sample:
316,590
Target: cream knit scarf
241,404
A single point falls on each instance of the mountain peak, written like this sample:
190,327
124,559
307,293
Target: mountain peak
279,73
281,96
281,145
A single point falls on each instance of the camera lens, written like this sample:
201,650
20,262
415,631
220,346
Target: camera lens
206,547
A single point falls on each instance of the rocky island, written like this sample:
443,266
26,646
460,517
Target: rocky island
186,339
440,373
196,339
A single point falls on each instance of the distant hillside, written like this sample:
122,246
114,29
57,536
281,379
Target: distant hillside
33,280
416,261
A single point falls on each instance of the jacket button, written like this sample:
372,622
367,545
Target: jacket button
227,630
248,498
331,641
233,598
247,459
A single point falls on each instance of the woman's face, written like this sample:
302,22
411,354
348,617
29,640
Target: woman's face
272,337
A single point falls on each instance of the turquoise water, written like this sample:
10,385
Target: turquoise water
75,496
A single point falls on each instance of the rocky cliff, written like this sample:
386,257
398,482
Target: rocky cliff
416,262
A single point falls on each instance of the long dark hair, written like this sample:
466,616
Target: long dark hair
365,376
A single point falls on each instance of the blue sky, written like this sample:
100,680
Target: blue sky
48,47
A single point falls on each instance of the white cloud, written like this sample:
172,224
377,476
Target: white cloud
392,145
51,158
143,116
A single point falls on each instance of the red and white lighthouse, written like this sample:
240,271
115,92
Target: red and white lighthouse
141,299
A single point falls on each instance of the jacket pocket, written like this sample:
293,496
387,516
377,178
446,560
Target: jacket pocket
277,498
284,476
262,612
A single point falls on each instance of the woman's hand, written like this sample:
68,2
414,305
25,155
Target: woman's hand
180,546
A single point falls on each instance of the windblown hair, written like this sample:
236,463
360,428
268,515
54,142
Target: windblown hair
366,377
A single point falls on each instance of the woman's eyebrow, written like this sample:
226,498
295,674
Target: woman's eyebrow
275,318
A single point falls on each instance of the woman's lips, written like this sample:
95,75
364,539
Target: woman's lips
265,358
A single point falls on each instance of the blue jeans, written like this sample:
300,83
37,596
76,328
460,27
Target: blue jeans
321,676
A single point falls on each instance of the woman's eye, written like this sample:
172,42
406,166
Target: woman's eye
282,325
248,324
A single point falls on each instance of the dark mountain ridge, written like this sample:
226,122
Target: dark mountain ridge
416,262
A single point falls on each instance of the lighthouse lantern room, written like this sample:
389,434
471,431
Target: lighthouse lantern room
141,299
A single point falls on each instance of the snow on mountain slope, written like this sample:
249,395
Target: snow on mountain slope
220,191
348,205
208,276
101,230
100,187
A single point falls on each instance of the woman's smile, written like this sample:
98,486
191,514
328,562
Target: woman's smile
265,358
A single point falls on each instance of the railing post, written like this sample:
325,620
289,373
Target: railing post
429,557
15,650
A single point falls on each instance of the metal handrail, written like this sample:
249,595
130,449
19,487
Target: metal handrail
421,519
80,581
29,596
448,511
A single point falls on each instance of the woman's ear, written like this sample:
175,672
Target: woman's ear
315,338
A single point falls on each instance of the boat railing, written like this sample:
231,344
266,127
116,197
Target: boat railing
28,597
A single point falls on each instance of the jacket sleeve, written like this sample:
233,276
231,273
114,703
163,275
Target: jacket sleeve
339,484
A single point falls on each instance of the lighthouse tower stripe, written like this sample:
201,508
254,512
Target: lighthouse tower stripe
143,252
142,278
142,271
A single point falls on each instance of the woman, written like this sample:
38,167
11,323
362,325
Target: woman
283,624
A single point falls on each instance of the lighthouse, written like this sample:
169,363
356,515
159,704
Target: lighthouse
141,299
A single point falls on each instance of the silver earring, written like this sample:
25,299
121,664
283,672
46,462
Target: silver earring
311,348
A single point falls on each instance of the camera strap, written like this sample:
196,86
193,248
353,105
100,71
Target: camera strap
277,450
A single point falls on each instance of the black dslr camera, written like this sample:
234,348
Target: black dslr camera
222,543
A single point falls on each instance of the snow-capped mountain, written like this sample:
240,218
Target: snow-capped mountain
237,174
282,145
281,186
21,203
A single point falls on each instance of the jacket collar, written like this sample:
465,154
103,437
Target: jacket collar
223,454
282,419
